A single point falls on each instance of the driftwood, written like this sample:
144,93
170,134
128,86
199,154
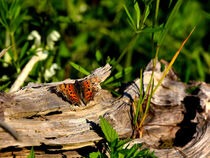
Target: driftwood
178,124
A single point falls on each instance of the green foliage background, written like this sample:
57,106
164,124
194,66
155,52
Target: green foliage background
95,32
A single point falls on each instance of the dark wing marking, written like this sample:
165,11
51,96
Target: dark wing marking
70,92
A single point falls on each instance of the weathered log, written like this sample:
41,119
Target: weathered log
178,124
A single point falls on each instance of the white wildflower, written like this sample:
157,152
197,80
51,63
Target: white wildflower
51,71
52,38
34,35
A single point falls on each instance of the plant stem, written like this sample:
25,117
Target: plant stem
7,38
142,18
133,38
172,61
156,12
13,46
125,50
155,22
128,63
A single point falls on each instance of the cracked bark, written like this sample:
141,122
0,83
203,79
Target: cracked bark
177,125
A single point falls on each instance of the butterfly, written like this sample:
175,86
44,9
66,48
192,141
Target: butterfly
79,93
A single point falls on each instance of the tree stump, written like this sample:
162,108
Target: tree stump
178,123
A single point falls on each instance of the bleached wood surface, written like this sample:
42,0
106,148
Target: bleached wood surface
56,128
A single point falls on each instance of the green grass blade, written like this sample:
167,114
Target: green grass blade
169,22
113,84
148,87
141,94
170,3
138,13
142,115
141,84
4,86
200,69
114,92
149,99
148,102
151,29
147,13
118,75
156,12
79,68
129,16
129,22
130,44
139,107
23,50
172,61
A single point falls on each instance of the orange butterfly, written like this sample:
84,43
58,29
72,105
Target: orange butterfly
79,93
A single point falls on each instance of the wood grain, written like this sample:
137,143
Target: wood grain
177,125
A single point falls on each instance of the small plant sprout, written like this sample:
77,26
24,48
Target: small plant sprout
141,106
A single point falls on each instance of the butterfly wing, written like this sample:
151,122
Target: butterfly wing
87,91
69,91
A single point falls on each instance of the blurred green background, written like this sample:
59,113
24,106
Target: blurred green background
95,32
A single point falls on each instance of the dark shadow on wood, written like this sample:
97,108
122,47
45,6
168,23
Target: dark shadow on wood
187,127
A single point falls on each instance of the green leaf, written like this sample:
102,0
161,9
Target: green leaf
79,68
3,15
98,55
3,5
120,155
121,143
4,86
152,29
80,41
129,16
16,22
132,151
113,145
129,22
97,155
146,153
110,61
23,50
169,22
31,155
25,60
170,3
17,13
119,75
115,93
200,67
147,13
3,61
114,154
63,50
109,133
138,13
113,84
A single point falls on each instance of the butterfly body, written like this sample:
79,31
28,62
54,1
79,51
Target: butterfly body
79,93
